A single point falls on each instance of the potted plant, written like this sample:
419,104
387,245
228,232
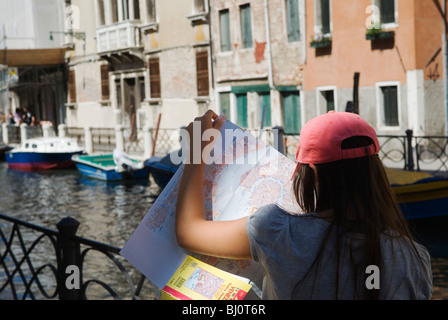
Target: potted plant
378,33
321,41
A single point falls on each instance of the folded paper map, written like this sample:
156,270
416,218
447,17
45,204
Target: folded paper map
253,174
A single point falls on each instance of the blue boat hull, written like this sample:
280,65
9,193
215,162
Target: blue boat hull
30,161
110,174
162,169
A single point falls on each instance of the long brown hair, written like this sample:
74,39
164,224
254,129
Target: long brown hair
358,193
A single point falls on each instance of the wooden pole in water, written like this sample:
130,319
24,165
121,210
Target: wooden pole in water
155,136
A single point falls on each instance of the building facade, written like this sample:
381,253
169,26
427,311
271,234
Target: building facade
142,59
264,63
35,76
396,48
258,50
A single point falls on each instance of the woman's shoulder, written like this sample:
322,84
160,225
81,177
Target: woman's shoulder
275,216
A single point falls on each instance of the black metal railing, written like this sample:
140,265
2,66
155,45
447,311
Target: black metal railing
40,263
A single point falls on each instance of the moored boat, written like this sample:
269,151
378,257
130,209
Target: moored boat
3,149
43,154
116,166
420,194
162,169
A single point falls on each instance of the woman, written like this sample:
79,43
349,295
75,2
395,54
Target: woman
351,225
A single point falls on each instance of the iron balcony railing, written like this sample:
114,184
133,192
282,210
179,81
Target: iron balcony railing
39,263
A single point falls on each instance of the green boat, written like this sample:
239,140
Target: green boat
116,166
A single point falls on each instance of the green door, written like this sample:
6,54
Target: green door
291,112
265,106
241,110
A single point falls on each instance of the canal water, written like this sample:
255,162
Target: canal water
107,212
110,212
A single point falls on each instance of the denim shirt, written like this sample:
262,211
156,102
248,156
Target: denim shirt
287,245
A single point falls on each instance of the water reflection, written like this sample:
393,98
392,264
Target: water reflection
107,212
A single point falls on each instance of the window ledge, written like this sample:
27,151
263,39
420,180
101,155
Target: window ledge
154,101
105,103
202,99
198,18
150,27
72,105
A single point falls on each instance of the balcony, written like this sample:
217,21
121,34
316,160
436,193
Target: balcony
121,36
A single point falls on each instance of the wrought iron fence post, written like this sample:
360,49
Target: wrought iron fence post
410,154
68,255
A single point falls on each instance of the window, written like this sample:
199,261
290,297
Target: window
322,17
199,6
246,26
101,17
202,73
72,86
114,10
224,25
328,96
136,9
154,78
151,10
125,9
292,20
326,99
105,82
387,11
389,96
142,88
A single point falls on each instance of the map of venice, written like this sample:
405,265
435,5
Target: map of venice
252,175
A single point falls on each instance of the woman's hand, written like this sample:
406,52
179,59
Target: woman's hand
216,238
201,135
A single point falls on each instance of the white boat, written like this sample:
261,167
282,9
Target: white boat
43,154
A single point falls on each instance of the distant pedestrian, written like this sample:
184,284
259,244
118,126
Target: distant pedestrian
27,117
17,116
352,242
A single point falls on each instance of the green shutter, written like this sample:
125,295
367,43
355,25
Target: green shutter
325,16
224,23
246,26
291,112
292,20
265,106
241,110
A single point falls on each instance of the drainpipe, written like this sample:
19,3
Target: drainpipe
445,65
304,32
268,44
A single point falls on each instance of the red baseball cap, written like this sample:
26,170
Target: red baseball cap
321,138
